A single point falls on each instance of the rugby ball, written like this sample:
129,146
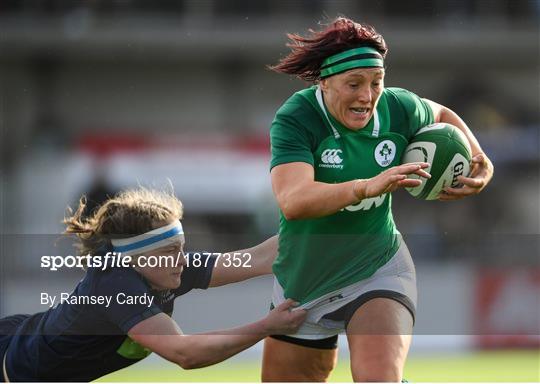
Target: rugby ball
448,152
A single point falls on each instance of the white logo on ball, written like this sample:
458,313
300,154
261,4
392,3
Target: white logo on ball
331,156
385,153
431,127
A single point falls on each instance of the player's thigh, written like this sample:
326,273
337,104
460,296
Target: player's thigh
379,336
285,361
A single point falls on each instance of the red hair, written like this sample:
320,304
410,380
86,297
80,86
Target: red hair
308,53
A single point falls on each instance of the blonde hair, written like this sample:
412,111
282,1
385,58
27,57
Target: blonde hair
129,213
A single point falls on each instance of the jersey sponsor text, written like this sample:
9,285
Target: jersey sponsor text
367,204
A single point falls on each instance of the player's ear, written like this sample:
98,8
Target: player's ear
323,83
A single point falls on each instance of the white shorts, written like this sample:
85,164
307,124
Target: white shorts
329,315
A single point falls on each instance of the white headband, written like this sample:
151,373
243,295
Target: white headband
153,239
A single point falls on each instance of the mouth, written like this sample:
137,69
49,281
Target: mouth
360,112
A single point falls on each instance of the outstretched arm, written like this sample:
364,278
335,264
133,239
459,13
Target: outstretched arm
481,167
301,197
162,335
244,264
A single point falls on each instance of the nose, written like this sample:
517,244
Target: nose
183,259
364,94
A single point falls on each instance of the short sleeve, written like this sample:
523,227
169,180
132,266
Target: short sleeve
289,140
121,284
418,112
196,275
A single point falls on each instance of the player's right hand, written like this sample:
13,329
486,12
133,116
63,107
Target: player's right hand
390,180
284,319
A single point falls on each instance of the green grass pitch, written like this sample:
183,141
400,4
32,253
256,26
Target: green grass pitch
493,366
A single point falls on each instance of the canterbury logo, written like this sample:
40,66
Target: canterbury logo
331,159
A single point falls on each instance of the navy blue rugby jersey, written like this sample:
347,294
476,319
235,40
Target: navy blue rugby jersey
82,342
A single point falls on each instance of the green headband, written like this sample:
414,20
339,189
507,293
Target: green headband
353,58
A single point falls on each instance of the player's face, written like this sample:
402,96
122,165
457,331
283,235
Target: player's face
351,97
171,261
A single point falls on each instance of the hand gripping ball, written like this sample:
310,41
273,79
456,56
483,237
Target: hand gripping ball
448,152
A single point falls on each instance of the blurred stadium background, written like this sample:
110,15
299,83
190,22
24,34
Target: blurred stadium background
97,96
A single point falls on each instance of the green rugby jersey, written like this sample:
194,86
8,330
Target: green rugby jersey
318,256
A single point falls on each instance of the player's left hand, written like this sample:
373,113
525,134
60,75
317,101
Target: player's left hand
480,176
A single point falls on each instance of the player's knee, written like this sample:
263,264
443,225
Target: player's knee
320,371
384,370
376,377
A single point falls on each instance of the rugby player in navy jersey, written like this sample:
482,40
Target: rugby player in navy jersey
83,337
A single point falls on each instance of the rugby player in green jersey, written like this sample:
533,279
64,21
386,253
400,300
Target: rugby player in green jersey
336,150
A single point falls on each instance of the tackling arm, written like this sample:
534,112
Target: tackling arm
260,262
162,335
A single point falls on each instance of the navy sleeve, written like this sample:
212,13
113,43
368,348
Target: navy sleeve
195,274
121,283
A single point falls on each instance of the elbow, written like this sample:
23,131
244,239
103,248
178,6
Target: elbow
189,366
289,214
292,208
292,212
192,355
187,358
187,362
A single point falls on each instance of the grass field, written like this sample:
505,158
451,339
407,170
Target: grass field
497,366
